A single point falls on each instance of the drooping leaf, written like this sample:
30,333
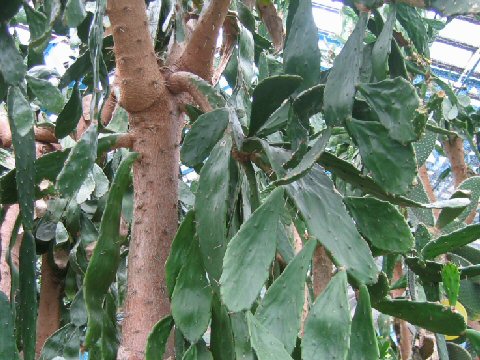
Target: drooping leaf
61,343
381,223
221,337
328,221
281,308
268,96
70,115
327,327
192,317
243,346
431,316
382,48
205,132
212,194
301,55
246,56
51,99
180,249
267,346
395,102
451,241
79,163
392,164
106,256
363,338
157,339
414,25
12,67
8,348
250,253
74,13
341,81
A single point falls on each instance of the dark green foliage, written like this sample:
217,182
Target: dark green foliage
301,55
382,48
328,221
451,241
381,223
106,256
392,164
9,9
243,347
363,338
64,342
157,340
205,132
280,310
268,96
250,253
340,86
8,349
221,337
74,13
395,102
11,62
473,337
457,352
431,316
50,98
327,328
451,282
192,317
415,27
70,115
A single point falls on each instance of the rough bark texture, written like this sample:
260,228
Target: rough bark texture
273,22
298,245
322,270
454,150
179,82
427,185
154,127
197,57
49,307
6,229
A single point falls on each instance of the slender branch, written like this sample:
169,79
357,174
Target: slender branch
197,57
230,32
453,147
41,134
427,185
140,81
273,22
179,82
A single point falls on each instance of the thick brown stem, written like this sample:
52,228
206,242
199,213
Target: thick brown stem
273,22
6,229
454,150
41,134
179,82
49,308
427,185
322,270
197,57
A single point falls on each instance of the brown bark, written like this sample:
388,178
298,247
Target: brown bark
298,245
455,153
403,333
322,270
49,307
427,185
197,57
273,22
230,32
6,230
41,134
154,127
179,82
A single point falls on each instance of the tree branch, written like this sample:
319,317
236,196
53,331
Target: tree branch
197,57
453,147
179,82
230,33
273,22
41,134
141,83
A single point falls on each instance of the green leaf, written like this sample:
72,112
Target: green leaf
197,351
8,348
213,97
431,316
363,338
11,62
280,310
243,346
246,57
205,132
424,147
221,336
74,13
28,295
9,9
327,327
21,119
106,256
61,342
157,339
473,337
78,312
382,48
471,184
277,120
301,55
341,81
392,164
395,102
79,163
268,96
180,249
192,317
327,220
211,208
109,340
40,29
451,241
250,253
450,8
448,215
457,352
70,115
451,282
381,223
267,346
414,24
51,99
